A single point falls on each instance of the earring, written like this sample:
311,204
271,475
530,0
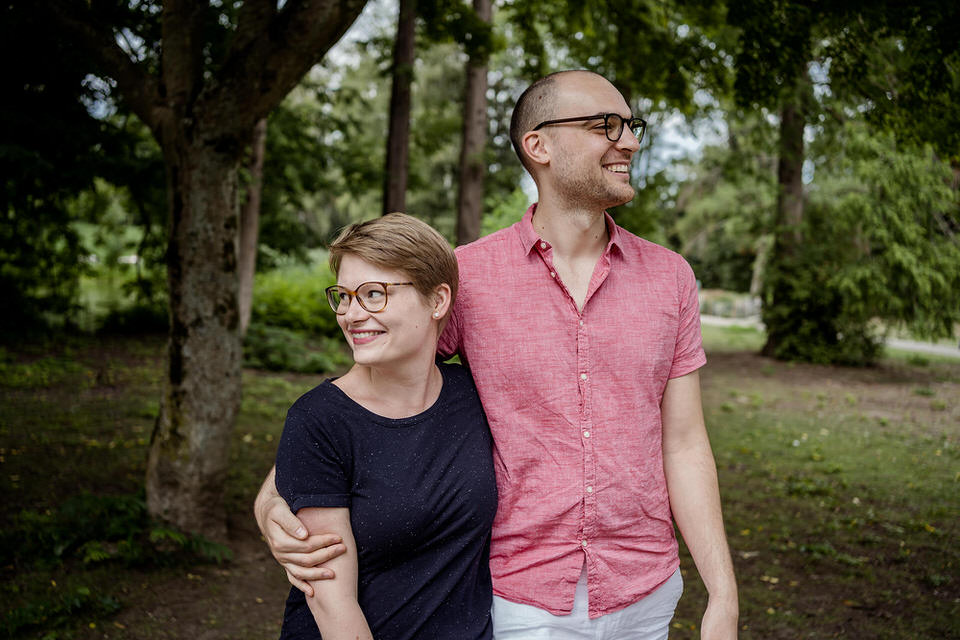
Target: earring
436,314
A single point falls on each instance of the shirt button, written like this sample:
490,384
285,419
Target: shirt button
581,323
543,245
583,376
553,275
589,489
586,434
583,543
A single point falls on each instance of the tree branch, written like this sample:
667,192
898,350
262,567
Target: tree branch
182,55
139,89
253,15
255,79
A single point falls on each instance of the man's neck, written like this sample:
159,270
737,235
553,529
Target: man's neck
574,233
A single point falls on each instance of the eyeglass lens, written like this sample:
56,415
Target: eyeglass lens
614,123
372,296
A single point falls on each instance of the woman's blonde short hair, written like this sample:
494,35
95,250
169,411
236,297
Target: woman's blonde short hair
404,243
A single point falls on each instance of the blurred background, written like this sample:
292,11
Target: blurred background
172,173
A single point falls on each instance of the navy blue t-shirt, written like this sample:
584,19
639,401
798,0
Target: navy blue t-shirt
422,498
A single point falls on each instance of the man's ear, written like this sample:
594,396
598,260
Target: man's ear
536,146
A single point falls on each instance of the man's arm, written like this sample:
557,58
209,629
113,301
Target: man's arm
334,602
691,474
299,552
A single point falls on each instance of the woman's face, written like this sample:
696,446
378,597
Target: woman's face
403,331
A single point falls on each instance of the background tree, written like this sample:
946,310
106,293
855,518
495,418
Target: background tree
250,221
474,137
200,77
398,134
808,312
51,150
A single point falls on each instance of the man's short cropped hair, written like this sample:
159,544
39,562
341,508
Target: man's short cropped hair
403,243
536,104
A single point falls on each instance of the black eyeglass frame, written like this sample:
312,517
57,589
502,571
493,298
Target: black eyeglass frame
631,122
355,295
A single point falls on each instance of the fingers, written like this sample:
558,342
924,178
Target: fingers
284,544
280,514
311,556
300,584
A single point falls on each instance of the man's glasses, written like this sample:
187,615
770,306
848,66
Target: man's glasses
372,296
613,124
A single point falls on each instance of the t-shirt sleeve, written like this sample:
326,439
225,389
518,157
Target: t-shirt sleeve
312,466
688,352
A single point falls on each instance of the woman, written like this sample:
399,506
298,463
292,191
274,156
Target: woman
395,455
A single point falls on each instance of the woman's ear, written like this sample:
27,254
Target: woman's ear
441,300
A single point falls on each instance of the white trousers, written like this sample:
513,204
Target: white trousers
647,619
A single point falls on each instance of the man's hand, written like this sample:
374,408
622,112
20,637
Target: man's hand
299,554
719,621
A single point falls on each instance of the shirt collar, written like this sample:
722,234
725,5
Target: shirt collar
529,237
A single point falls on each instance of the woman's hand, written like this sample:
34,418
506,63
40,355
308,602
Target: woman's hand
297,552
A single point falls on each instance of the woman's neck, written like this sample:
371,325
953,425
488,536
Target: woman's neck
393,392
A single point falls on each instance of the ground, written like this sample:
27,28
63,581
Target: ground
839,488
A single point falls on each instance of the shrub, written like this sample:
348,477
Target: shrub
281,349
93,529
292,298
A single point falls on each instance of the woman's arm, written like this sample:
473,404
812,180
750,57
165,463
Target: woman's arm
299,554
334,602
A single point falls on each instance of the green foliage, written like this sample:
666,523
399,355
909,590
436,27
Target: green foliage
657,51
775,45
57,611
506,213
807,320
443,20
896,223
36,374
292,297
94,529
292,326
279,349
58,135
724,210
903,62
879,242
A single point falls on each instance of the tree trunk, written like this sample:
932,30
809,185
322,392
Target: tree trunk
188,458
788,233
472,166
398,136
250,222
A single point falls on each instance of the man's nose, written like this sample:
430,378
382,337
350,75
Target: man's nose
628,141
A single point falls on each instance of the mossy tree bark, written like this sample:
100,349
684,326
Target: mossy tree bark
202,101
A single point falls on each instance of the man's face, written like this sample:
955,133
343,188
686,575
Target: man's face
586,169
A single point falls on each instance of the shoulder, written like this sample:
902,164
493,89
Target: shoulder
315,399
488,245
458,383
456,374
650,255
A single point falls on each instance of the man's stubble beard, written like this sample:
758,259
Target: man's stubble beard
576,189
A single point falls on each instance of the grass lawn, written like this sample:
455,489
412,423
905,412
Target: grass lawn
840,490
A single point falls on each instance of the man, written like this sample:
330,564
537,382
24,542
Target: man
584,342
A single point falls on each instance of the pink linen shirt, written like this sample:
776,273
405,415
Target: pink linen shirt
573,401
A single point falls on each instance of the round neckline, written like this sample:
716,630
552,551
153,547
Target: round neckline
408,421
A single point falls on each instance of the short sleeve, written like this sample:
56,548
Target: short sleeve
312,468
688,352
